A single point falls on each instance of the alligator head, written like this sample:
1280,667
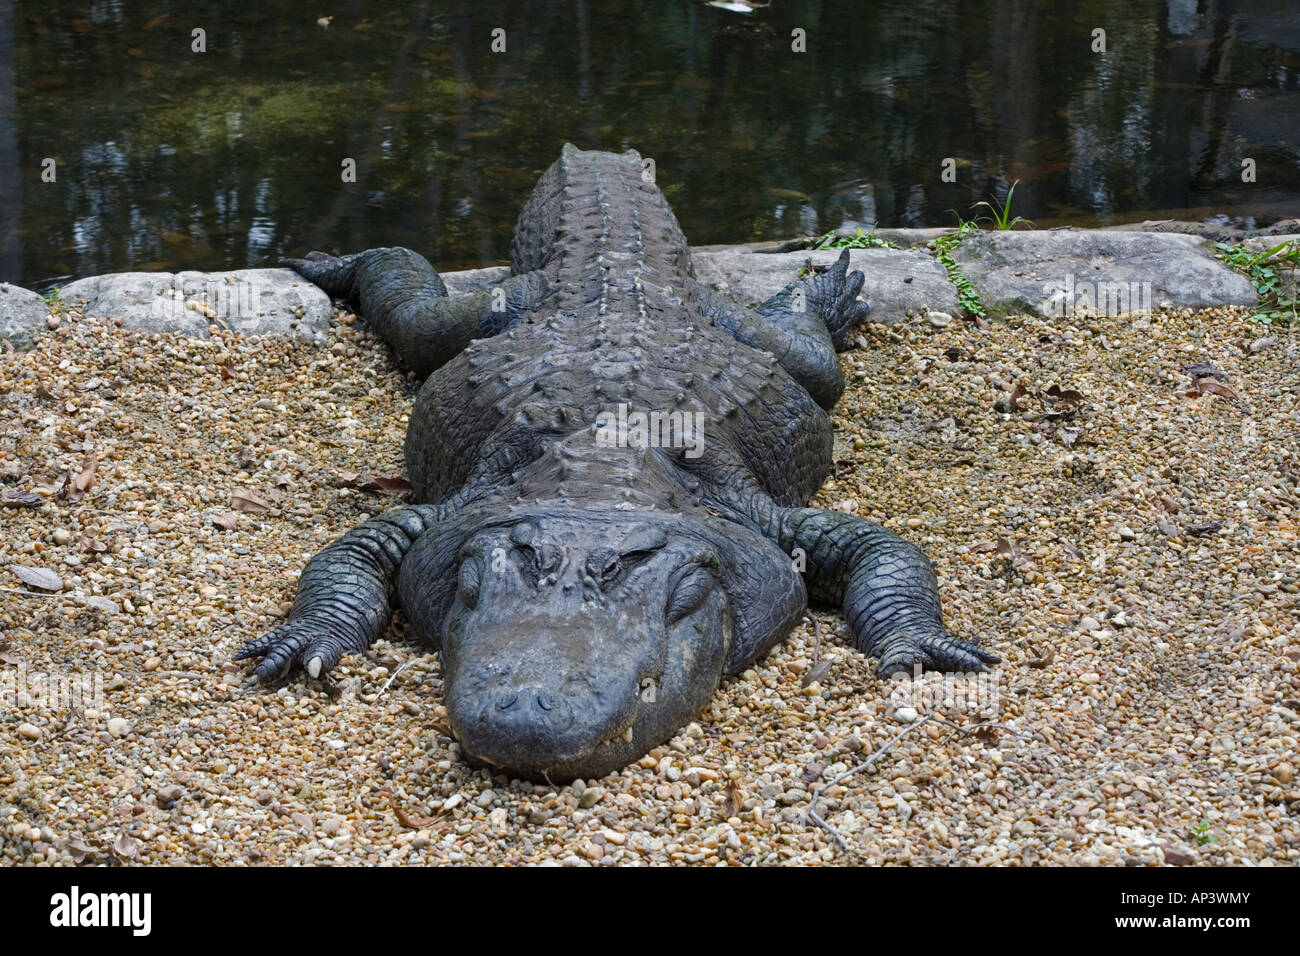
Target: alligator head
577,639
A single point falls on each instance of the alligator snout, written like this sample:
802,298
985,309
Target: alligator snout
535,727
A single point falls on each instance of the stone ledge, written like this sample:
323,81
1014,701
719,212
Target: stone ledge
1056,272
252,301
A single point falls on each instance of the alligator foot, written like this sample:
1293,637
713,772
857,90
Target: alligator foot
928,649
833,296
311,642
344,596
334,275
402,297
887,587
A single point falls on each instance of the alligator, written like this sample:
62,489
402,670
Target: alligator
611,465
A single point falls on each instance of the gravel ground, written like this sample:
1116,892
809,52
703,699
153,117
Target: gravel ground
1129,550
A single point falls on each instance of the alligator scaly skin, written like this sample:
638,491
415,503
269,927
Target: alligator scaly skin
589,583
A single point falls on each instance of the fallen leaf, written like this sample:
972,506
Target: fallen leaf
811,772
987,735
406,820
126,847
1064,396
731,802
1204,385
983,547
816,673
227,521
1042,660
21,499
249,501
1068,436
79,849
1200,530
391,486
41,578
81,484
1006,548
1017,397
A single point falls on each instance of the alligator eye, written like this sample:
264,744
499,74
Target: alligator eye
471,578
689,593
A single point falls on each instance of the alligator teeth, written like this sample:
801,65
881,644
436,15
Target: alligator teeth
627,735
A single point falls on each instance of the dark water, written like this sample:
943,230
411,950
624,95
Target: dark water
167,159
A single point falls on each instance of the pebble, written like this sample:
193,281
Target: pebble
61,536
118,726
1142,750
938,319
30,731
907,715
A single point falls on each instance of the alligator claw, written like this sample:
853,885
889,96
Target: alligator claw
834,296
938,652
302,641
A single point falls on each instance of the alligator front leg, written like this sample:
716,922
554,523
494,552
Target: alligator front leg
402,297
345,595
802,325
886,586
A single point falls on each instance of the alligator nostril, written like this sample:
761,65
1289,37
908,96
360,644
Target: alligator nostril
546,701
505,703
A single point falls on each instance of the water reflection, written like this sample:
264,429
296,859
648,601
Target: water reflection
167,158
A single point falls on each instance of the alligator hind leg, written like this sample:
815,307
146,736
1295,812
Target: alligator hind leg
403,298
802,325
886,586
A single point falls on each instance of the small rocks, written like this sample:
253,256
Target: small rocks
119,726
938,319
1177,855
1144,689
